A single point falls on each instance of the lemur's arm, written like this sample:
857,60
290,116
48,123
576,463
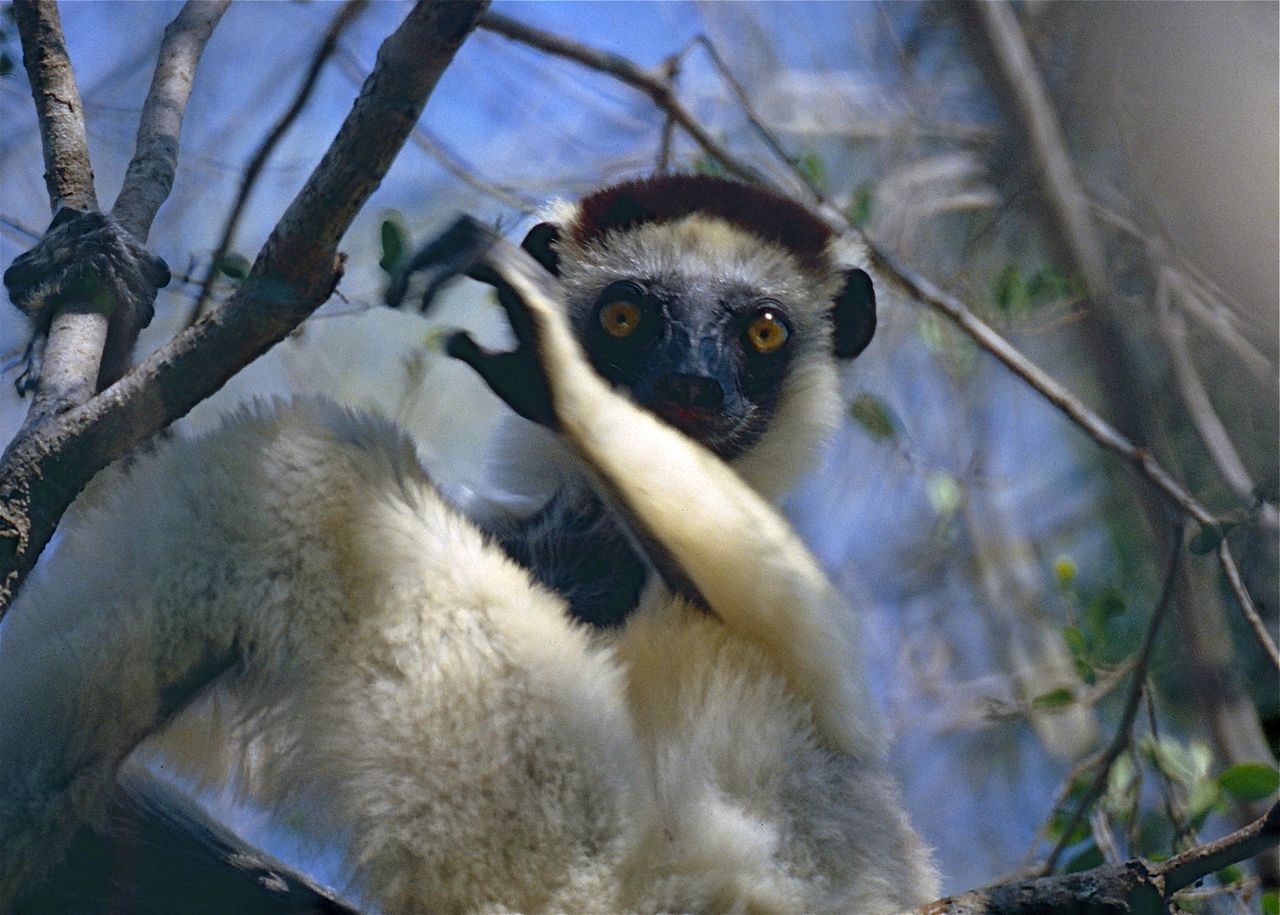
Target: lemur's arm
688,507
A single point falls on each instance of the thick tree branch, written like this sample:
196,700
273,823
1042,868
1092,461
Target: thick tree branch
328,44
293,274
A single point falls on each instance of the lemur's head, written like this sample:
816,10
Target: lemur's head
716,305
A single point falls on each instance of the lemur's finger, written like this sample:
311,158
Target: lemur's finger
513,376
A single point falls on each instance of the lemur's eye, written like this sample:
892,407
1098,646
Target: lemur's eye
767,332
620,318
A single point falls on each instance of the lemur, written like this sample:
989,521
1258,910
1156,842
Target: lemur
477,739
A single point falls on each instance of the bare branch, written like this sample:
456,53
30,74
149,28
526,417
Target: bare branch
295,271
149,177
68,174
346,15
1247,606
627,72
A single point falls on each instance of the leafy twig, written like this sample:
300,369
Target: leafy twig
1124,730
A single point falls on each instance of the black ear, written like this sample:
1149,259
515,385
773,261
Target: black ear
854,315
538,243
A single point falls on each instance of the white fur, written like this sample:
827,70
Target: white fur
474,749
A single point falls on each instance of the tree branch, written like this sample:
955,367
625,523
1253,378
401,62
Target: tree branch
294,273
68,173
76,332
328,44
1136,887
149,177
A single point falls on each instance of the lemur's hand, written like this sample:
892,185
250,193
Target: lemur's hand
526,292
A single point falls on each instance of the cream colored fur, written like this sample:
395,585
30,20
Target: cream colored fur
473,748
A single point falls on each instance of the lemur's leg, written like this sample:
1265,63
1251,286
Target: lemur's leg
689,507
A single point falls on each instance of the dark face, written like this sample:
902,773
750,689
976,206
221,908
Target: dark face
710,361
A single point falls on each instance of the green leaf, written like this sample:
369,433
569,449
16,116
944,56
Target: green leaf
1231,874
1079,653
859,211
1250,781
1271,902
810,165
1201,801
1101,610
1054,699
874,415
1206,539
1010,291
394,245
234,265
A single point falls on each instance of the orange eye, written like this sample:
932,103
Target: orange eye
620,319
767,333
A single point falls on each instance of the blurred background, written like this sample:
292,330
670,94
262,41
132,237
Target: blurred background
1005,568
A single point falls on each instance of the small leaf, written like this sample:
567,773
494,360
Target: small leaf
393,245
874,415
234,265
1010,292
1101,610
1201,801
810,165
1079,654
944,493
1230,875
1054,699
1250,781
1206,539
859,211
1064,570
1271,902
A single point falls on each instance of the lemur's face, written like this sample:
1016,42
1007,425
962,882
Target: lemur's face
705,300
706,353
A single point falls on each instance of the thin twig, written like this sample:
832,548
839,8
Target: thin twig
628,73
1124,730
1247,606
346,15
1214,435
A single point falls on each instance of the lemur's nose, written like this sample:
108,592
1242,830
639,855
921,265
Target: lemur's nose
695,392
